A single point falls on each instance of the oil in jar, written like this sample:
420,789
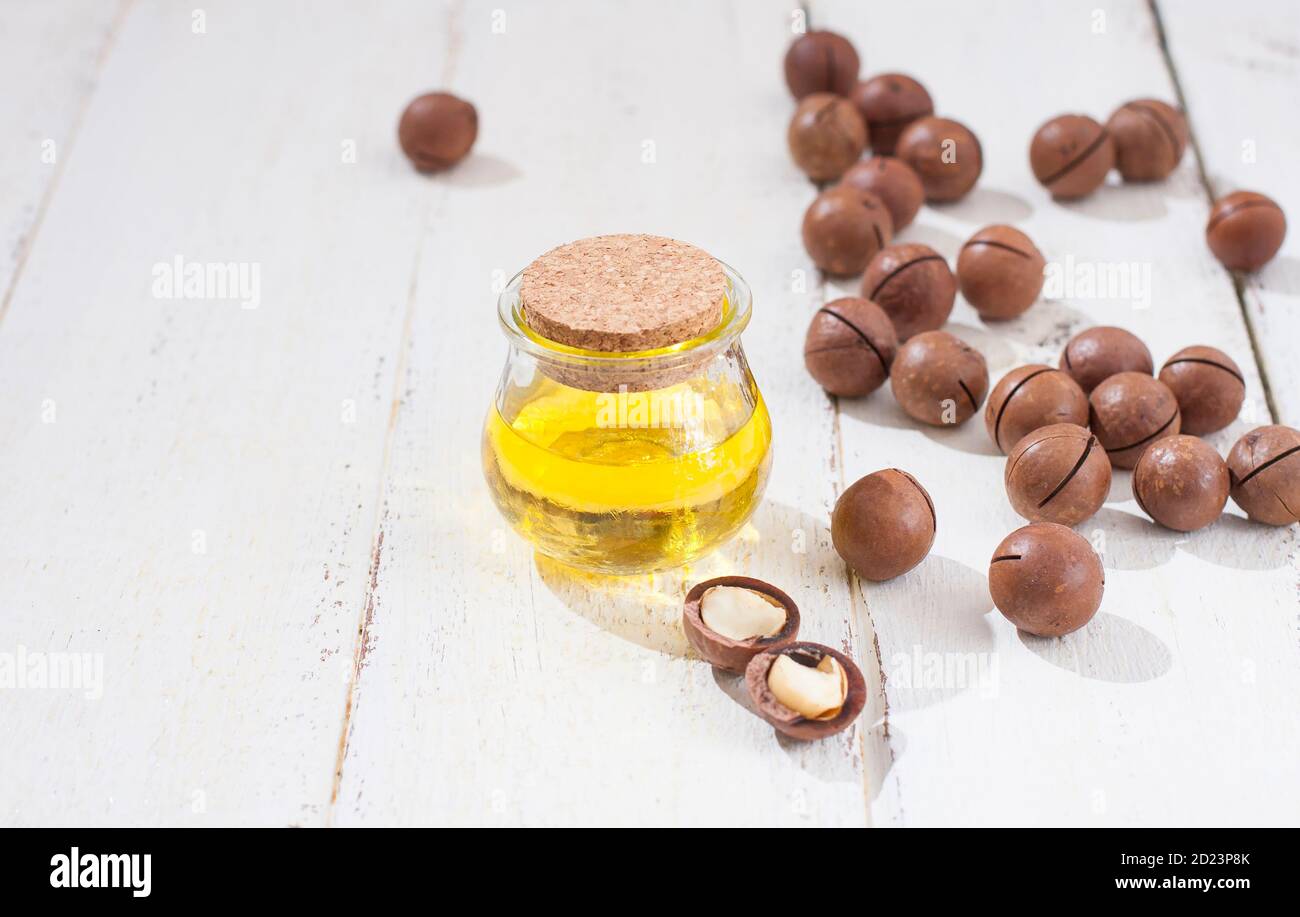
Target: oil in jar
628,482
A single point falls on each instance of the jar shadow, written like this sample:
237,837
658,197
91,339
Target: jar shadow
645,609
1109,648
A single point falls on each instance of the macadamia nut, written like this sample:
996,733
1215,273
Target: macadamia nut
741,614
815,693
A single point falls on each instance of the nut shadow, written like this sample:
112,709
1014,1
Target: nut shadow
1041,333
1109,648
1134,542
945,243
983,206
1129,541
934,634
1235,542
480,170
1118,203
1281,275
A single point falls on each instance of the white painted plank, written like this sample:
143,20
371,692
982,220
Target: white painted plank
191,486
1177,704
1240,83
52,55
500,690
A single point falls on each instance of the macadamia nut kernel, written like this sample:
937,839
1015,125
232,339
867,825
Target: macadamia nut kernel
741,614
815,693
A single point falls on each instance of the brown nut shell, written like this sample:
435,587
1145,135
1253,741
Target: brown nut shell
1000,272
1096,354
1245,230
821,61
723,652
1130,411
844,228
1181,483
826,136
946,154
1208,385
1071,155
1265,473
850,347
1030,397
893,181
1150,137
789,722
939,379
889,103
883,525
437,130
913,284
1058,473
1046,579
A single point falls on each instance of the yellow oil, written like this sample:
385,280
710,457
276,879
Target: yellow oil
628,483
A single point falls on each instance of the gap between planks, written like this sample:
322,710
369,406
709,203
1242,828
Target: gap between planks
1238,282
366,615
29,238
856,593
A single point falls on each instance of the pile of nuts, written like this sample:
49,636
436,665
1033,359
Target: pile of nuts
1063,428
1145,139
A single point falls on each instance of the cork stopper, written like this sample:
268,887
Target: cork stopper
623,293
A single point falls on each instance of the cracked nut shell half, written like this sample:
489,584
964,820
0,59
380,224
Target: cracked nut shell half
724,652
790,722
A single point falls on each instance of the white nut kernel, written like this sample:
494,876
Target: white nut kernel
814,693
741,614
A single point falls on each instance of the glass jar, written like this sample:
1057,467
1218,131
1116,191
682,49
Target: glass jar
624,463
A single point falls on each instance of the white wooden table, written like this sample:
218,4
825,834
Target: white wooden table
266,528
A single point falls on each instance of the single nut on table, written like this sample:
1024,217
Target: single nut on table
913,284
945,153
1030,397
1208,385
1000,272
806,690
1245,230
883,525
821,61
1130,411
1071,155
1181,483
1058,473
437,130
1265,469
889,103
826,136
893,181
939,379
1150,137
844,227
731,619
1094,355
850,347
1046,579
